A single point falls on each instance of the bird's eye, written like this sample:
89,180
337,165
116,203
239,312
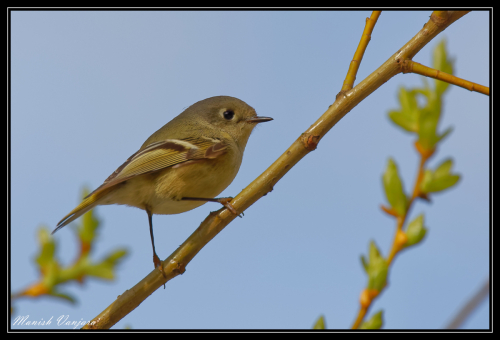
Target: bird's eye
228,114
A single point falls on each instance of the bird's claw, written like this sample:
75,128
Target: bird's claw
225,202
158,264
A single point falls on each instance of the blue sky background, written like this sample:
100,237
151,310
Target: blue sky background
89,87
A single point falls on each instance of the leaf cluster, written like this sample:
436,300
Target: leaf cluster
53,275
419,114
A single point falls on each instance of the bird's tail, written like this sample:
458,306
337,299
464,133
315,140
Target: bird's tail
88,203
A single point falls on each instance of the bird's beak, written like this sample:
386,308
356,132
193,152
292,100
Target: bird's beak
258,119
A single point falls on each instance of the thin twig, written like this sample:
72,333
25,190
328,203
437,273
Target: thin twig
410,66
440,19
360,51
470,306
398,243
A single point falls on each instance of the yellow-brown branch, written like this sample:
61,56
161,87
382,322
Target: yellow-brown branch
215,222
360,51
410,66
400,237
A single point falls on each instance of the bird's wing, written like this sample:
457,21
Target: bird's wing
164,154
156,156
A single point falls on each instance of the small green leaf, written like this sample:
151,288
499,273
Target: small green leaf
442,63
47,247
444,168
50,276
403,121
320,323
377,269
430,115
63,296
115,257
440,179
415,231
445,133
426,180
407,118
101,270
87,230
445,183
394,188
423,118
428,122
364,262
375,322
408,100
106,268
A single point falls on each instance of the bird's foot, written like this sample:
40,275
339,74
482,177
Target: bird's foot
158,264
225,201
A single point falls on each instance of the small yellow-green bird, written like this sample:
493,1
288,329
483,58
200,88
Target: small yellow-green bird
183,165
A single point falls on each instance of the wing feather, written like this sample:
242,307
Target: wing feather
156,156
161,155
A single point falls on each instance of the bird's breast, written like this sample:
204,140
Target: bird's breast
161,191
205,178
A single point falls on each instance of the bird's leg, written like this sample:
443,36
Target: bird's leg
156,259
223,200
